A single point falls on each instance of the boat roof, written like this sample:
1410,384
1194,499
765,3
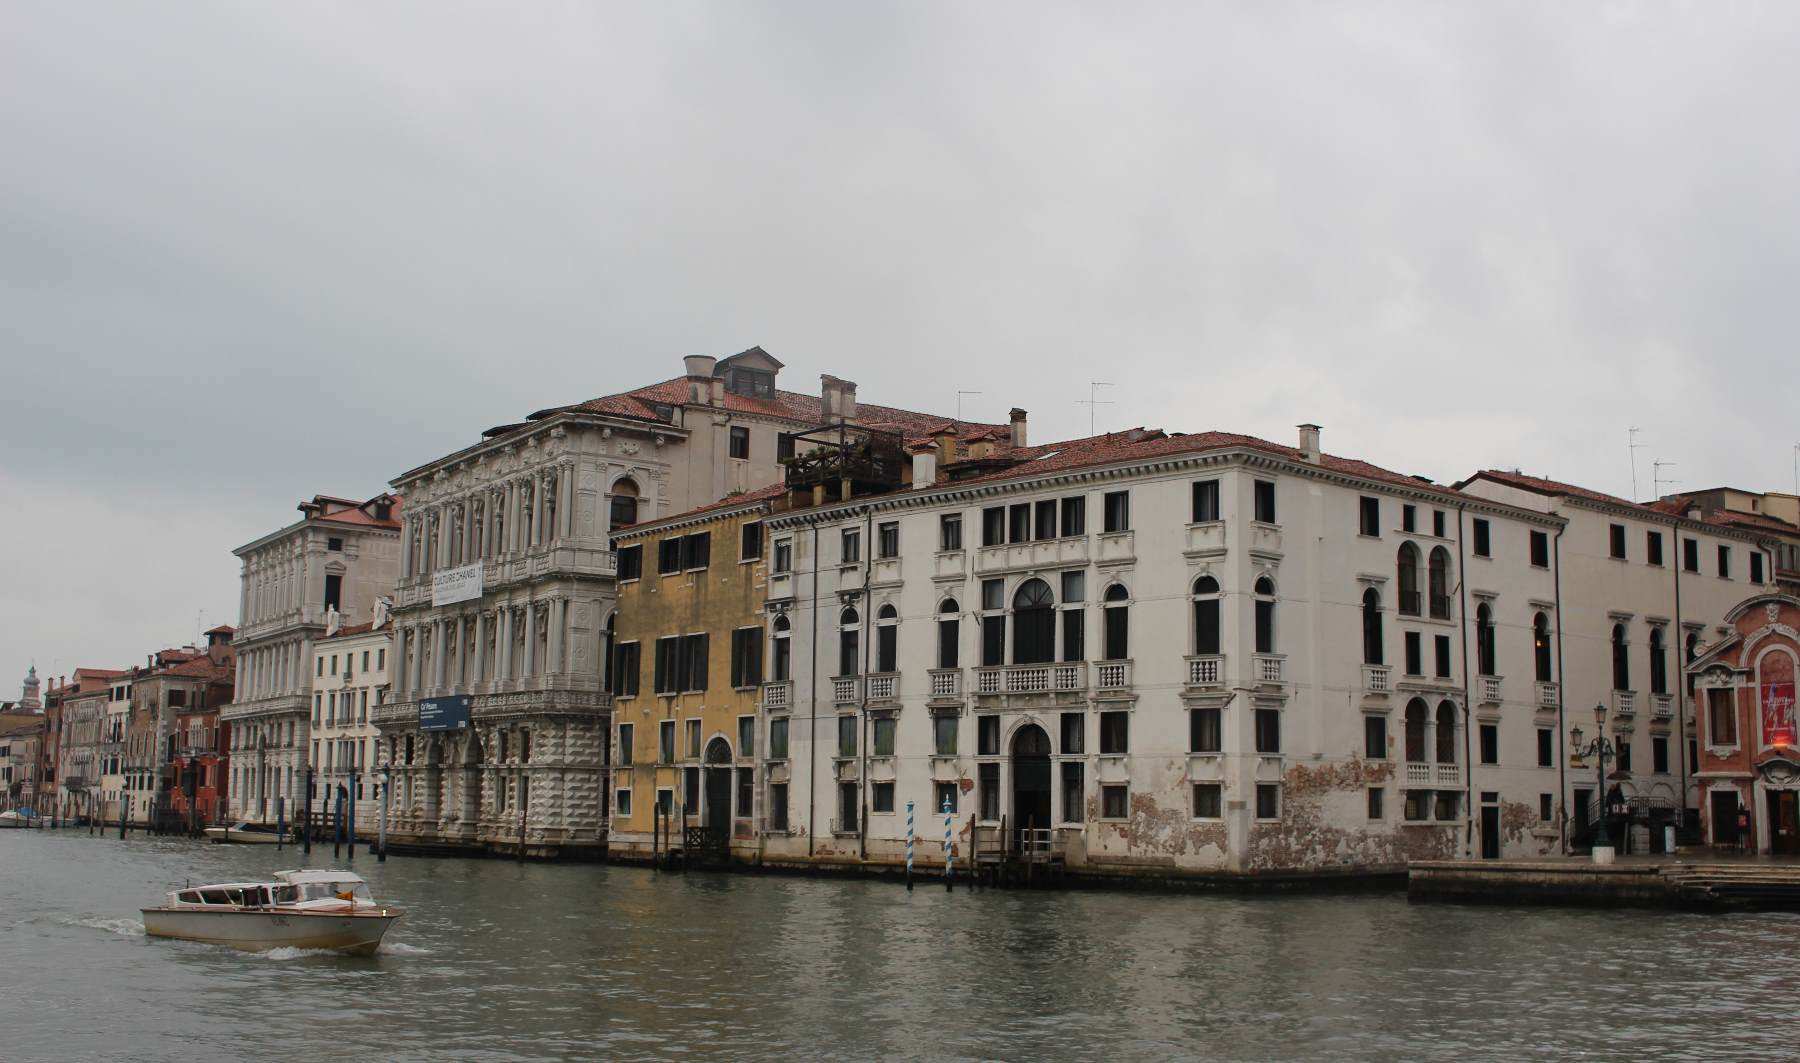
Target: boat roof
317,875
226,886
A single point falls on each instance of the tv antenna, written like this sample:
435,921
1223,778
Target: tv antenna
1093,401
1658,479
1632,446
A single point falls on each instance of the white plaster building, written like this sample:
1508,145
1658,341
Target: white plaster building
341,555
349,684
110,750
525,514
1195,653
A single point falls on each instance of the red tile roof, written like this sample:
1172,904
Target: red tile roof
1677,505
1554,488
761,494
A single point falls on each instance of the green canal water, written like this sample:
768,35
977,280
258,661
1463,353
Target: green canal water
498,961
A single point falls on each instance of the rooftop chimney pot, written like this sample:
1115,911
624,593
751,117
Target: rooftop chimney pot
1309,442
699,365
1018,427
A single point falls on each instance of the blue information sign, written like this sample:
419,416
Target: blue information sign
444,714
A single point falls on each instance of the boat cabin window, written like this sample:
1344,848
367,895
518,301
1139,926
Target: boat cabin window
215,897
190,897
286,894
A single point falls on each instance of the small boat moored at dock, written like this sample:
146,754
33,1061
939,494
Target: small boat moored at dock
18,817
243,834
307,909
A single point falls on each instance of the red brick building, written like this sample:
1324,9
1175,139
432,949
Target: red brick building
1748,734
198,767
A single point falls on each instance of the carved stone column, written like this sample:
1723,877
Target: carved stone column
503,665
531,661
559,612
565,501
399,672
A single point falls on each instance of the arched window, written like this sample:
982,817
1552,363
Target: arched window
1659,663
1415,730
1621,659
1484,640
1371,627
849,642
1406,565
1439,583
1206,616
1117,615
1265,615
622,505
887,639
949,632
780,666
1446,733
1540,646
1034,623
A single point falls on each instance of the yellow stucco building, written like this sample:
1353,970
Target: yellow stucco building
687,666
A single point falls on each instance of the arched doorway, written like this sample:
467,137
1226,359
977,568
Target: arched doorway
718,785
1031,778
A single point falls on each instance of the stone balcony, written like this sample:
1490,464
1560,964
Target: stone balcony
1066,677
1206,671
1019,557
1445,776
1662,707
1489,690
1378,680
778,696
1549,695
946,683
1269,669
1625,702
498,573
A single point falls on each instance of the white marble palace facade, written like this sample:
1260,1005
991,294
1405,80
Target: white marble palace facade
342,555
531,507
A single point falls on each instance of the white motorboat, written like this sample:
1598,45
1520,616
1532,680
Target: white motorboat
306,909
18,817
243,833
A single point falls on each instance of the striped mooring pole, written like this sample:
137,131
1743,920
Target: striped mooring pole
909,844
949,853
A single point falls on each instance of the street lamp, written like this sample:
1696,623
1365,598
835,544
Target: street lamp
1600,749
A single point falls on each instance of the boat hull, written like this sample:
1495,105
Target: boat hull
258,931
223,836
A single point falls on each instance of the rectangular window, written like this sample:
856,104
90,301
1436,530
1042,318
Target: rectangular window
1114,802
666,667
881,797
334,591
784,557
1414,657
1074,791
1690,555
987,736
1074,516
1484,546
746,657
380,657
626,731
849,652
883,735
334,544
887,540
1540,549
1074,732
1409,519
1018,523
746,791
1206,501
993,641
1209,800
1074,632
622,802
1724,562
1369,516
848,812
778,802
846,736
740,442
993,526
1546,747
950,531
750,541
668,556
1268,730
1616,540
1268,800
1375,742
1624,754
1204,730
1117,511
944,797
1115,732
1546,807
1437,523
693,738
626,663
1044,516
1448,802
989,795
1756,566
1490,743
1264,491
1653,548
1441,644
943,734
693,661
1659,754
850,546
778,738
784,446
333,664
665,742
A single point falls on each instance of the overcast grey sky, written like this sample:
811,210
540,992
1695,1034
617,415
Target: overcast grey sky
253,252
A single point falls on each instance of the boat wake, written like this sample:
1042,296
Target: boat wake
400,948
289,952
125,928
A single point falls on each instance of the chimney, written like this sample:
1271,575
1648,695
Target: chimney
837,398
945,438
924,465
700,365
718,391
1309,442
1018,427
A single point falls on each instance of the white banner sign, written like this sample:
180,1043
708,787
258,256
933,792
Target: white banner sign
454,585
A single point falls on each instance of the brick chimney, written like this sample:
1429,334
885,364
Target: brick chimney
945,438
837,398
1309,442
924,464
1018,427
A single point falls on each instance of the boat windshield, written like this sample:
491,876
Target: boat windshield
343,891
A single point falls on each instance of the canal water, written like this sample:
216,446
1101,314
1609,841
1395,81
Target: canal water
498,961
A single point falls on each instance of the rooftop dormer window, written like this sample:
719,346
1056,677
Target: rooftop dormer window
752,383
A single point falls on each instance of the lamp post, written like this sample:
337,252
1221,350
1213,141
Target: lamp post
1600,749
